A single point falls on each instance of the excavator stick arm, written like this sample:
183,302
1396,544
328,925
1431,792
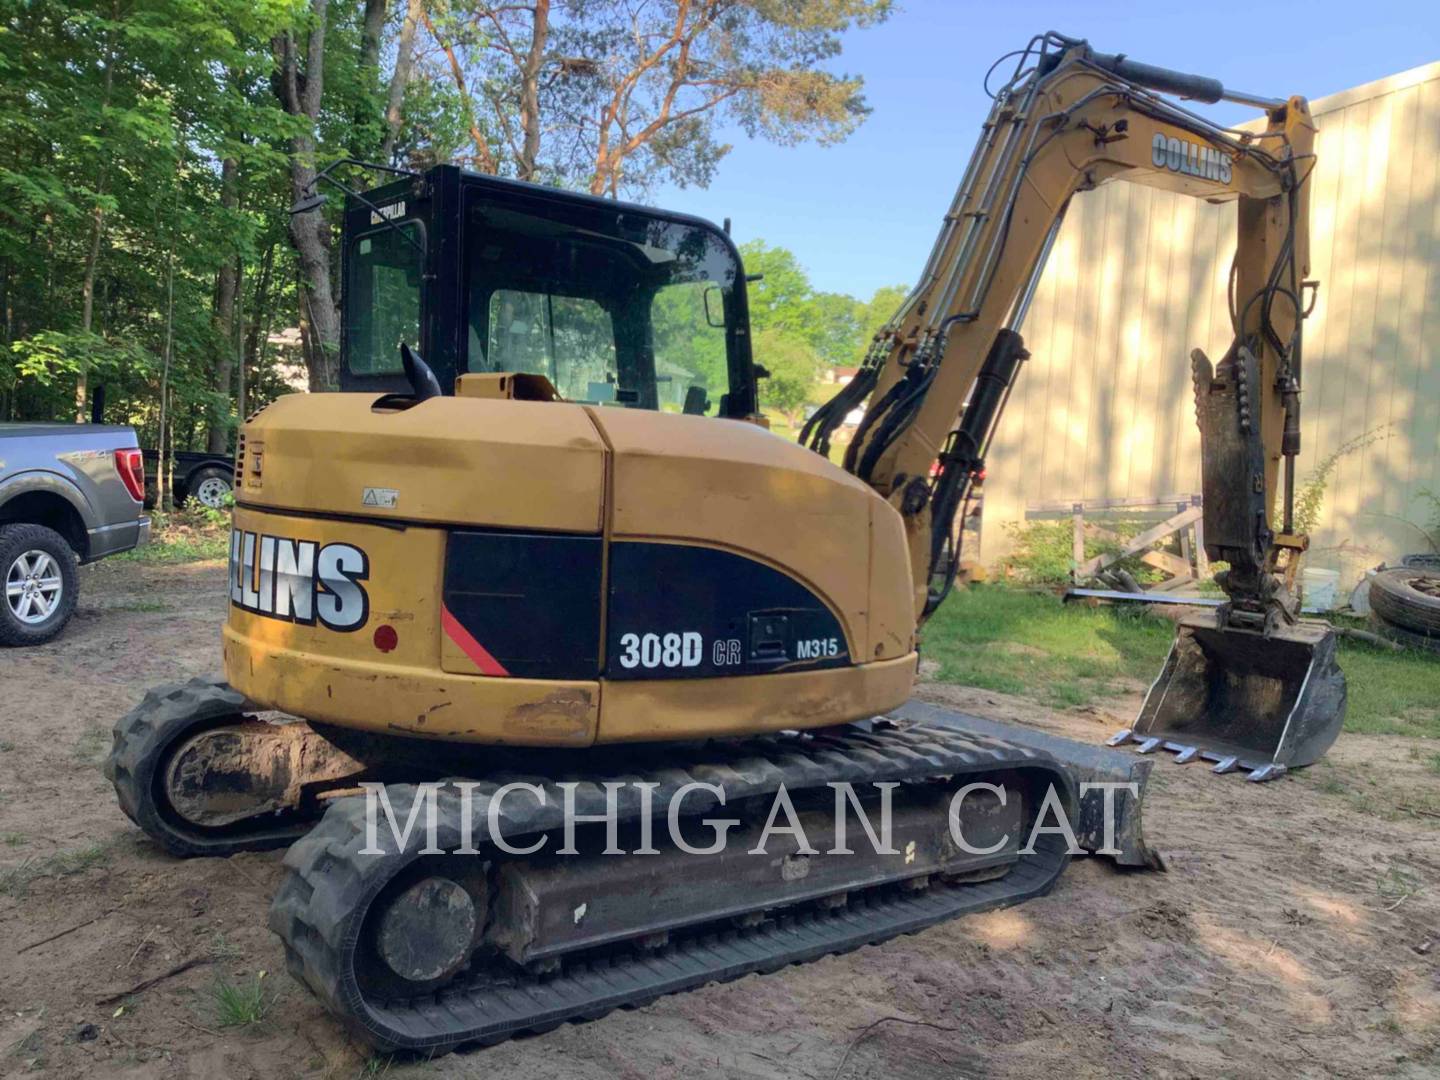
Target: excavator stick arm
938,374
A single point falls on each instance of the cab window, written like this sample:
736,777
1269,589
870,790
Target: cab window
616,307
383,304
568,339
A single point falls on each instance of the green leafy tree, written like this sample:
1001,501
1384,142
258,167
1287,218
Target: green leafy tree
617,95
793,365
874,314
148,152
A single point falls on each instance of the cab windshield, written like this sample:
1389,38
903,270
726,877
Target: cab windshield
615,307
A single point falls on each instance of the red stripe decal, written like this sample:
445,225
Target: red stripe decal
477,653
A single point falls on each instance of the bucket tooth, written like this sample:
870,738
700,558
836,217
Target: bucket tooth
1120,738
1263,702
1271,771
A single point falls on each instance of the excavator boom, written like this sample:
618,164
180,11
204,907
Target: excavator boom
939,372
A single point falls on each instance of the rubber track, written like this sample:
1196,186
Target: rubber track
167,715
320,907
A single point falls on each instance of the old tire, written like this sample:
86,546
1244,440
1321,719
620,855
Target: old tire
40,581
209,487
1407,638
1408,599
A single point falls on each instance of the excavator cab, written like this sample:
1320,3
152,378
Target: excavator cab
613,304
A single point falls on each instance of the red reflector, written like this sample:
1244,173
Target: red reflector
130,464
386,638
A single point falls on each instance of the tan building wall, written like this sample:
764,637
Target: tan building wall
1137,278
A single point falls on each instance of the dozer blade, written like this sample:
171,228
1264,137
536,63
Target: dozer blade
1243,700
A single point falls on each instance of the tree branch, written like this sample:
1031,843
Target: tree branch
400,78
483,158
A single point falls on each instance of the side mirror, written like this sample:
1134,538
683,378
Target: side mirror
710,319
304,206
761,371
696,401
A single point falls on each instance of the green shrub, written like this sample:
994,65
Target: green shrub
1042,552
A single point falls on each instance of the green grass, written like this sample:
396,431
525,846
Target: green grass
1025,643
16,880
175,546
194,534
242,1005
1391,693
1031,644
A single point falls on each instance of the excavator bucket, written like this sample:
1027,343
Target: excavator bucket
1243,686
1263,703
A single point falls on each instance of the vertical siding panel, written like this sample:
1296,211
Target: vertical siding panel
1336,393
1386,467
1319,338
1104,435
1089,356
1363,193
1172,382
1208,326
1150,356
1032,449
1123,425
1059,446
1380,257
1425,437
1410,455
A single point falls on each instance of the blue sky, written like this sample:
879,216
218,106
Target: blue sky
864,213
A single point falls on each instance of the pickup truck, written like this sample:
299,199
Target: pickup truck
204,477
69,494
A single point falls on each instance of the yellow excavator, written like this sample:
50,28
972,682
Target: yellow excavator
553,556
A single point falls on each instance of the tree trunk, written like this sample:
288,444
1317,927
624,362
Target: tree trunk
400,78
92,255
364,129
164,476
310,233
370,31
226,284
251,353
530,91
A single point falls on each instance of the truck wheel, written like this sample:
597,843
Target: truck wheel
1408,599
209,487
38,569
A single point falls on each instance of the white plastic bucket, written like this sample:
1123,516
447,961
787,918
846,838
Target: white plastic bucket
1321,587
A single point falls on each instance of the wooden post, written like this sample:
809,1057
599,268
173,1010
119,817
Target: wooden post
1202,561
1184,539
1137,544
1077,541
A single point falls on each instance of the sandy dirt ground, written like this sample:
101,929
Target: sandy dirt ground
1297,931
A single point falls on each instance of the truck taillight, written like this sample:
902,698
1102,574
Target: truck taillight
130,464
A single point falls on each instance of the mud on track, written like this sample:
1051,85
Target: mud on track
1297,932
